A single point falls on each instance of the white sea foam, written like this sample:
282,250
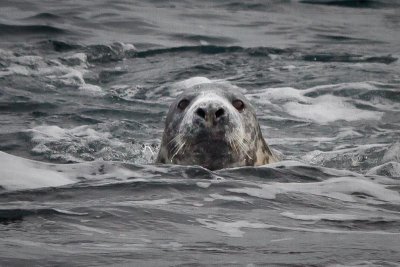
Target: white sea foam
327,108
85,142
279,94
346,157
53,70
91,89
126,47
322,108
49,133
72,78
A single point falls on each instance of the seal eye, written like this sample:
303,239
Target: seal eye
183,104
238,104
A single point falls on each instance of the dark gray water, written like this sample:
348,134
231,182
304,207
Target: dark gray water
84,90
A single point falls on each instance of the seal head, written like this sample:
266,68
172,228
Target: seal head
213,125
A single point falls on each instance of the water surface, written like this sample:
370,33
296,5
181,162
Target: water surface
84,91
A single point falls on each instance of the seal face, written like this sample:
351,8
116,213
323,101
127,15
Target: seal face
213,125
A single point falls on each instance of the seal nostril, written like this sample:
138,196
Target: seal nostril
219,113
201,113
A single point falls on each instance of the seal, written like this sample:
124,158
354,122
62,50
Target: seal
213,125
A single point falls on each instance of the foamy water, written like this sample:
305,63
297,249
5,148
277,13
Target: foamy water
84,91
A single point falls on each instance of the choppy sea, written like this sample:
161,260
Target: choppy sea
84,91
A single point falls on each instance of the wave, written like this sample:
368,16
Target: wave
11,215
328,103
26,106
349,58
44,16
7,29
352,3
19,174
102,53
60,46
267,51
213,49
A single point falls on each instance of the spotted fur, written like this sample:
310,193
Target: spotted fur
235,140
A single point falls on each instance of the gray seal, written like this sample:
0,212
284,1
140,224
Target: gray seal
213,125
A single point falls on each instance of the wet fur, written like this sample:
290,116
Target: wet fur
238,141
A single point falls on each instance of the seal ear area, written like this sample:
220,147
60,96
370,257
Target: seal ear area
183,104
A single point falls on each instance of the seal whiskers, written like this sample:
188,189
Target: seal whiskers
177,145
177,151
242,143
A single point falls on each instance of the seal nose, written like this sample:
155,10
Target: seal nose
210,114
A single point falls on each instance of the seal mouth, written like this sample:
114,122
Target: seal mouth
209,138
211,153
210,148
209,141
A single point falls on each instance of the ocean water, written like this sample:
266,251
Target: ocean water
84,91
